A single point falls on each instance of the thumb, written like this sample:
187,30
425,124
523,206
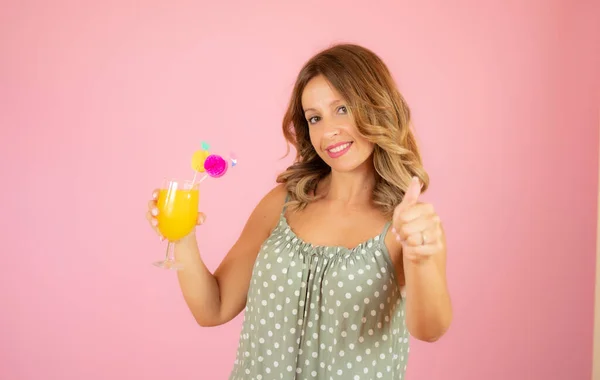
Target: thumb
201,218
412,193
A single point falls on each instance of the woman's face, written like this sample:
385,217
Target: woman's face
332,129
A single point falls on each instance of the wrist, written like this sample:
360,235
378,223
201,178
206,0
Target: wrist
418,261
187,240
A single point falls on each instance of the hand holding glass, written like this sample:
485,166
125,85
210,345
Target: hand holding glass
177,205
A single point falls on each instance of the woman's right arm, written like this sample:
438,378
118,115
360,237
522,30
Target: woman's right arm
217,298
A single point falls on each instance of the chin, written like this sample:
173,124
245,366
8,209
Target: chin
345,166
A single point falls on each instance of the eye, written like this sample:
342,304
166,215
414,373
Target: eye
342,110
313,119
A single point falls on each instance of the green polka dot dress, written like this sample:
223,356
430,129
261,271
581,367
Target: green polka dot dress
322,312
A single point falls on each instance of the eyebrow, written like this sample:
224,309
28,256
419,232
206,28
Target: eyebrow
330,104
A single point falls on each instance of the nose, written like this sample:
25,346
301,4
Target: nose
331,129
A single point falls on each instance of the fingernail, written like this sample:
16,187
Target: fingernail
394,230
201,219
154,211
154,222
155,195
162,238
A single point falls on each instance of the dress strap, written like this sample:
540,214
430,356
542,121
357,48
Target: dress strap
287,198
384,232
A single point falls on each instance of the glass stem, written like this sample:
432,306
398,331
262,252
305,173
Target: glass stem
167,258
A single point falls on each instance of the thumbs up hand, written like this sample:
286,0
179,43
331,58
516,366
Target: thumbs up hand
417,226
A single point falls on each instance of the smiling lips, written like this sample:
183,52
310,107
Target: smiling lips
339,149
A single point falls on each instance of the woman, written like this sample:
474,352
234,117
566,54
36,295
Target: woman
329,290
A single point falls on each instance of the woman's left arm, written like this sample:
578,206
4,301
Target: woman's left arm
422,240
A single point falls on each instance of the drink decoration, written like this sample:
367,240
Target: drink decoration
213,165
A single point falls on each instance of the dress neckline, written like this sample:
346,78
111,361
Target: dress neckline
377,239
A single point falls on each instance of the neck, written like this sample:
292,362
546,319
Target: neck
350,188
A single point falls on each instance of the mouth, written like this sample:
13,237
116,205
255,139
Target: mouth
339,149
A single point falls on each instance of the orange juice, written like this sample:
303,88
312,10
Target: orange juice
177,212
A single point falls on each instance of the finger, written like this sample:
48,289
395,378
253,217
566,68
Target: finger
409,253
201,218
411,196
414,212
152,208
153,221
426,250
417,254
424,237
424,223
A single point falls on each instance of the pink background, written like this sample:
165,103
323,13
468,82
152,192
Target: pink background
98,102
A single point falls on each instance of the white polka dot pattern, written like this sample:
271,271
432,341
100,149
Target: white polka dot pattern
317,312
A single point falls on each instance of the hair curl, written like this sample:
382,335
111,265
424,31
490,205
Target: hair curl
382,117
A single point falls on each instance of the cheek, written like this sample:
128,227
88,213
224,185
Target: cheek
314,136
366,148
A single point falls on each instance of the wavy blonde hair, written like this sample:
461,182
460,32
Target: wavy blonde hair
381,115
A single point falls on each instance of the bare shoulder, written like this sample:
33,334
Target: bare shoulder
264,217
270,206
